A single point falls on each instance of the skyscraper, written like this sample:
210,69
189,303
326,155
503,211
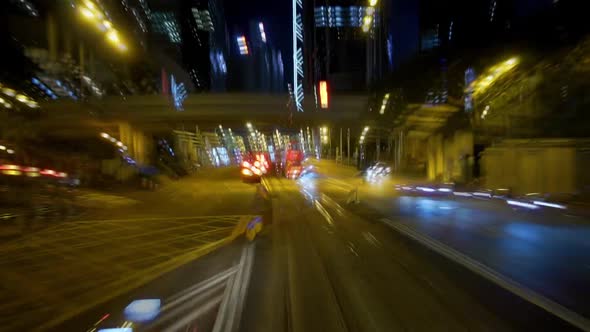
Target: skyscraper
336,47
166,24
256,64
197,29
403,32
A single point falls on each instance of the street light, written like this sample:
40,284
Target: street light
94,14
9,92
90,5
107,25
373,3
493,74
113,37
87,13
384,104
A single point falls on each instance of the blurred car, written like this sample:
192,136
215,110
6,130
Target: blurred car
294,170
377,172
252,170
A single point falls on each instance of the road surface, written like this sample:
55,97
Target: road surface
318,265
325,269
49,275
546,250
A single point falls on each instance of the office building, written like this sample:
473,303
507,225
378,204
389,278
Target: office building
256,64
336,48
197,29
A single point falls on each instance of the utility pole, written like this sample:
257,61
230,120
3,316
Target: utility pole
378,146
348,145
330,138
341,158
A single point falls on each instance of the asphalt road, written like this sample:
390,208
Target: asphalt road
318,265
546,250
322,268
63,269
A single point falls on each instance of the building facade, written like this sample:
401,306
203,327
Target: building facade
256,64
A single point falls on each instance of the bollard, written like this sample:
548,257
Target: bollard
253,228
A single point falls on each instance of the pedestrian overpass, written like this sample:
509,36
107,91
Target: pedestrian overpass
136,119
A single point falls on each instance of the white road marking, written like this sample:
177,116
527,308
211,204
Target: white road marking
230,310
198,288
495,277
323,212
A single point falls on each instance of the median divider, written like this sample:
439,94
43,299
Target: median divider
266,186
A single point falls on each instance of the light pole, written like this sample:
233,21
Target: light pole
324,138
362,142
348,145
341,158
93,14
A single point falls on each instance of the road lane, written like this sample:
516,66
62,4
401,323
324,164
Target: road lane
339,269
545,250
550,257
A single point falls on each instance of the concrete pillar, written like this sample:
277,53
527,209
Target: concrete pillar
140,145
435,158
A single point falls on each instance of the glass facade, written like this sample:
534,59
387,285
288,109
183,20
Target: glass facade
203,19
165,23
338,16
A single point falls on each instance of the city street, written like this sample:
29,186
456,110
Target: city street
319,267
69,267
226,165
333,270
543,251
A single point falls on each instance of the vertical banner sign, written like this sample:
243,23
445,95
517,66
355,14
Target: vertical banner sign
298,54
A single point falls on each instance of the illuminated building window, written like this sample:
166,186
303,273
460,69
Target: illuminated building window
203,19
337,16
451,30
166,24
28,7
492,10
262,33
139,20
146,9
242,45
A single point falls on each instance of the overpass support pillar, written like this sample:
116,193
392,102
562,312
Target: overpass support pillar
450,158
140,145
